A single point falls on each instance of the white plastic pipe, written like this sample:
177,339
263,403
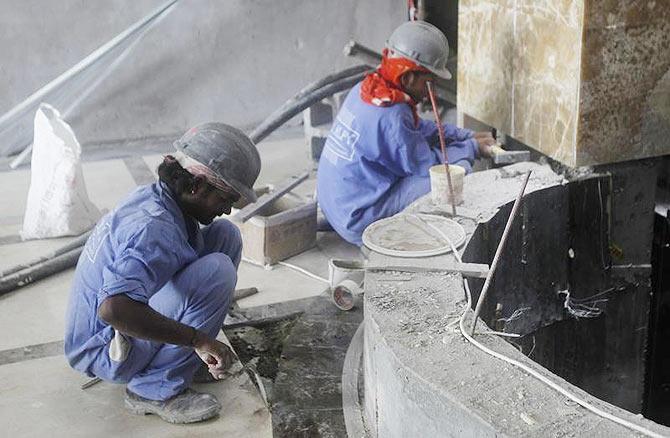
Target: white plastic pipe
7,119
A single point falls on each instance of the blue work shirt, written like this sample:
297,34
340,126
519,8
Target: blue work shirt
369,151
134,250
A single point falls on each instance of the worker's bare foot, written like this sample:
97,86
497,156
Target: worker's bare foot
189,406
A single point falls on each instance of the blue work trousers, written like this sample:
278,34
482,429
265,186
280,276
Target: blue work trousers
199,295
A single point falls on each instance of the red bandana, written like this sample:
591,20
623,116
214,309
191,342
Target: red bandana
382,87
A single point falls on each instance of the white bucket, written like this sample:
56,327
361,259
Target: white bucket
439,186
340,270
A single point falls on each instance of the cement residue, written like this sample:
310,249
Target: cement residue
485,192
408,324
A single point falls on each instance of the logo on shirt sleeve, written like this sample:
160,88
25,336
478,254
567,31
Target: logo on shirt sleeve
341,140
94,243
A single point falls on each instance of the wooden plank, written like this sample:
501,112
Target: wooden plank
472,270
252,210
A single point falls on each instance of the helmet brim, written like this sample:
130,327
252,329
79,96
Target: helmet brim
442,73
244,191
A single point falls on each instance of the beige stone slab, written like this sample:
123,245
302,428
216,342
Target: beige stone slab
485,44
42,398
546,85
583,81
625,88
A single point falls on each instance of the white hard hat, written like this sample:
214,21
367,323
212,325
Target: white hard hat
424,44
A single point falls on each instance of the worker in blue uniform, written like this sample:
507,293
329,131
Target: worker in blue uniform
152,288
378,153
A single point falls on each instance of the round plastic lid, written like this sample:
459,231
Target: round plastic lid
413,235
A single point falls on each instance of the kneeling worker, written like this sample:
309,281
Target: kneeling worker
152,288
378,153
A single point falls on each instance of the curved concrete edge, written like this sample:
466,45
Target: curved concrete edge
351,373
424,380
401,403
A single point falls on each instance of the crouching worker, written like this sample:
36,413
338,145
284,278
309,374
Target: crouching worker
152,288
378,153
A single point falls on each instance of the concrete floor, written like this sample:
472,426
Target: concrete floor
40,394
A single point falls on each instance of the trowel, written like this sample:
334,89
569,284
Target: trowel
501,156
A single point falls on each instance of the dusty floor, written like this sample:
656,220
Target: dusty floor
40,394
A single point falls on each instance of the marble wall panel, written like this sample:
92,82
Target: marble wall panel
583,81
485,43
624,113
546,77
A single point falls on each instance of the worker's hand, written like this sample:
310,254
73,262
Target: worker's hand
217,355
485,140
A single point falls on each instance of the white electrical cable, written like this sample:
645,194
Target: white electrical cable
304,271
536,374
290,266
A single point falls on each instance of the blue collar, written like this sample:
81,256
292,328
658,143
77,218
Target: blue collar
187,224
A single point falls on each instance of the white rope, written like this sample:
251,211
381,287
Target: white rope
539,376
515,315
582,308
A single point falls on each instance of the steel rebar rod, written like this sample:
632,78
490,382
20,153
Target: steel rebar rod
496,257
443,147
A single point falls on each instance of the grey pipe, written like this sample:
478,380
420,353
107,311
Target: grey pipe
307,97
40,271
76,243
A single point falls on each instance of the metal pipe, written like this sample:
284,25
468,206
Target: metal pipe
76,243
443,147
19,111
40,271
496,257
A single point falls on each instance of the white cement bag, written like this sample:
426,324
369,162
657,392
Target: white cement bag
58,203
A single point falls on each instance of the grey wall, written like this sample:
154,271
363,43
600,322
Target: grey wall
232,61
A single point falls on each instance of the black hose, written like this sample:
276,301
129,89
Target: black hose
300,102
40,271
76,243
327,80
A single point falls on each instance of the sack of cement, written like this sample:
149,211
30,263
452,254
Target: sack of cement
58,204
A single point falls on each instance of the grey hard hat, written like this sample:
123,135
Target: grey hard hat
227,152
424,44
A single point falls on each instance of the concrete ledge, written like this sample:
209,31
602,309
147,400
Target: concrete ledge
422,378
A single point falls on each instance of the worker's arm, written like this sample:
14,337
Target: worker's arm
146,260
141,321
481,142
451,132
409,153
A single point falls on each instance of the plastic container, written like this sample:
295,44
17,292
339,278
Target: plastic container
439,186
340,270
